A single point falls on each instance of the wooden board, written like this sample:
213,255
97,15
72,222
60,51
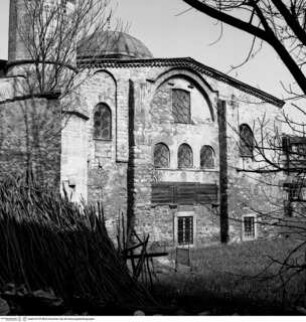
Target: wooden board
184,193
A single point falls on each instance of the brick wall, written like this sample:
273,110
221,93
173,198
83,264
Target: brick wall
251,193
31,139
17,49
74,157
154,123
121,172
106,166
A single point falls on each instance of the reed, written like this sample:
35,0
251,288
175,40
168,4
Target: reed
48,242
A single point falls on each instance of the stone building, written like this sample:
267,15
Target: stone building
159,140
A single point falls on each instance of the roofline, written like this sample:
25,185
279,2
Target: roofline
48,96
186,62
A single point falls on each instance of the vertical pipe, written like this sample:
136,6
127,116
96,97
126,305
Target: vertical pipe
223,174
131,163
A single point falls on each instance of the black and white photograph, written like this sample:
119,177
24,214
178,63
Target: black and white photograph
152,159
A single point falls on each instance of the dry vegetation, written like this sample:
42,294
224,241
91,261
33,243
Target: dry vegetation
241,278
56,256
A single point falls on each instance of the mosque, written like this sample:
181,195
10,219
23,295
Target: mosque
160,140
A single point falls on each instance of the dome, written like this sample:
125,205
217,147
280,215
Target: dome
112,45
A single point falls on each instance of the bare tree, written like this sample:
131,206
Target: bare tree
44,83
50,32
279,23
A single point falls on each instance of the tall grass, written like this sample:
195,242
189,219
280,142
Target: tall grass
48,242
253,270
249,274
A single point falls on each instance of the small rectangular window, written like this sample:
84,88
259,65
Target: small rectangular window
249,227
185,230
298,152
295,152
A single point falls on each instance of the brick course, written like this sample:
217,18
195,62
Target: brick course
31,140
120,172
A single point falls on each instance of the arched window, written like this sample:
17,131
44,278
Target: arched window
161,156
184,156
181,106
246,145
207,157
102,122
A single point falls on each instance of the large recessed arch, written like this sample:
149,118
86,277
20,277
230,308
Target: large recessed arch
194,78
101,71
113,103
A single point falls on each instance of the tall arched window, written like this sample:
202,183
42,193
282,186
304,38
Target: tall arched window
181,106
246,145
184,156
207,157
102,122
161,156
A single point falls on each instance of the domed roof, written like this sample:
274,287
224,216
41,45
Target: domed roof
112,44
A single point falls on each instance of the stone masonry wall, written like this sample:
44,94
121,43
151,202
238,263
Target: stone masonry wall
107,160
31,140
154,124
249,192
17,48
74,157
162,224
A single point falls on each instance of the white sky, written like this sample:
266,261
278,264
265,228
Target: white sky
155,22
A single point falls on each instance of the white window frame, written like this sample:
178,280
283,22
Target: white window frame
194,227
244,238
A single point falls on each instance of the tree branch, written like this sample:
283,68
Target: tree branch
292,23
228,19
266,35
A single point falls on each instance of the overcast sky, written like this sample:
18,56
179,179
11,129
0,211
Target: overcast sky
166,33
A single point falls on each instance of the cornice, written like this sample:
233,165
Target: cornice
183,62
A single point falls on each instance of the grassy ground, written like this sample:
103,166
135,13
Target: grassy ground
238,278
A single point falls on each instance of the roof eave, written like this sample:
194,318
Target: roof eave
182,62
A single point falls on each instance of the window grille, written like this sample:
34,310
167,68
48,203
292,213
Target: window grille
246,141
294,192
185,158
299,150
249,227
161,156
185,230
102,122
181,106
207,157
295,153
